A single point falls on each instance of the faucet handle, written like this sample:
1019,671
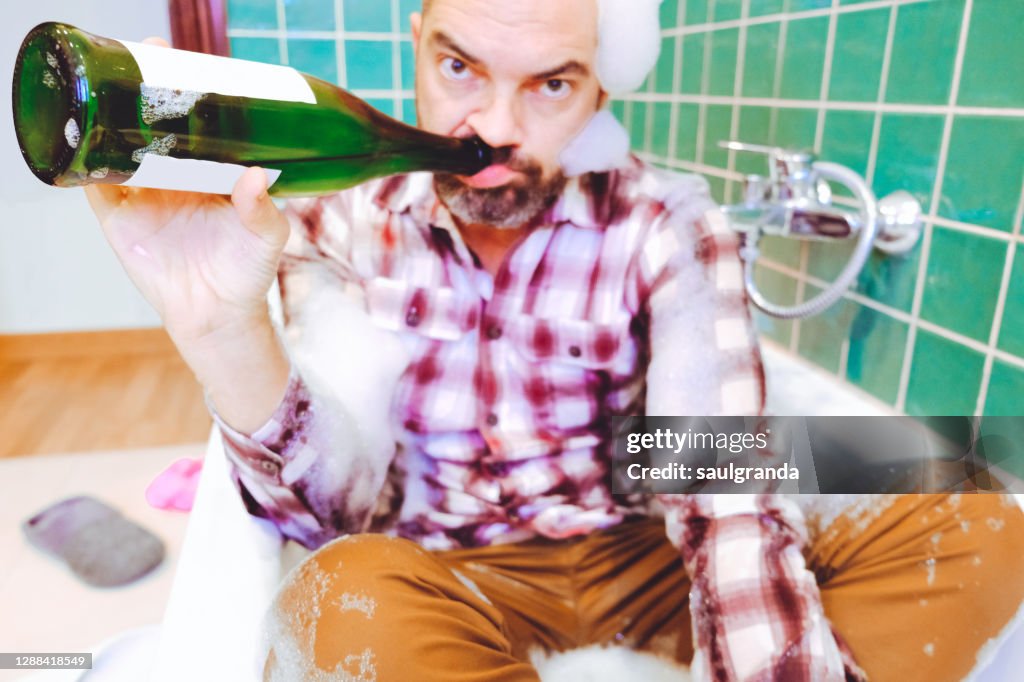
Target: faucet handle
771,151
784,165
738,146
791,171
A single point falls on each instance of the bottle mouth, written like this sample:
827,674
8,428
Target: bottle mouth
46,101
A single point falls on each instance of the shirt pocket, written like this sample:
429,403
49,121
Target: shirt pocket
440,313
571,342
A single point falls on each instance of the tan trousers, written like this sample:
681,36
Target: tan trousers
384,609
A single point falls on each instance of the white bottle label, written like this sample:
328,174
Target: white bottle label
163,67
190,175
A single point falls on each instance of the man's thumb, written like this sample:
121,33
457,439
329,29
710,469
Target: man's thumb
255,208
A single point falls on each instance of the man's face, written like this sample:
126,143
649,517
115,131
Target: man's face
519,75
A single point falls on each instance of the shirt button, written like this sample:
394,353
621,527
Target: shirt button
492,419
413,318
575,351
494,332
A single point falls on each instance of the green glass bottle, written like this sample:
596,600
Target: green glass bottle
90,109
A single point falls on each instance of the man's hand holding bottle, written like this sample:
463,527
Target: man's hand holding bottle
206,263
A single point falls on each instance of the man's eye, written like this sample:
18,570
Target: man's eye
556,88
455,69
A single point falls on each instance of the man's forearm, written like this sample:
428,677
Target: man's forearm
243,368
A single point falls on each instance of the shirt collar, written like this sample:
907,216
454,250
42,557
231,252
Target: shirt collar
584,201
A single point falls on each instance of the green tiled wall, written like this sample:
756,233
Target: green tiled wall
363,45
921,95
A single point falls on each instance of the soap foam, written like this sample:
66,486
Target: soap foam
161,146
72,134
159,104
290,628
602,145
629,42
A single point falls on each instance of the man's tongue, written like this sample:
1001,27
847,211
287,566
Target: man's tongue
495,175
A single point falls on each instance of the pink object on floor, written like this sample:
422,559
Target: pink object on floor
175,487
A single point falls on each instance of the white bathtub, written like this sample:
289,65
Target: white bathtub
800,388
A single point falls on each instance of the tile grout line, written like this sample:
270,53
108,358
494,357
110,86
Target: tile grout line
695,167
737,90
396,62
933,209
627,120
844,350
794,338
834,105
649,112
705,75
677,82
801,14
876,134
997,315
339,45
305,34
883,87
282,40
819,134
780,56
826,77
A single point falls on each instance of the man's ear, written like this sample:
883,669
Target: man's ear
602,99
416,22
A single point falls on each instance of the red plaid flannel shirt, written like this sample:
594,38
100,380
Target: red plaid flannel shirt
501,416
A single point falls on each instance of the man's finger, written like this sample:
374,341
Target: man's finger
104,199
156,40
256,209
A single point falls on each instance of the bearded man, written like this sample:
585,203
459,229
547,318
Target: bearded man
434,417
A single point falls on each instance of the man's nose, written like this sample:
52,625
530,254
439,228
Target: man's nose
498,122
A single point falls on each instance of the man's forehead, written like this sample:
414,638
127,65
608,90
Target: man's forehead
531,30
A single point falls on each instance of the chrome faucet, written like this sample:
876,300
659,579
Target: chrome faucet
795,200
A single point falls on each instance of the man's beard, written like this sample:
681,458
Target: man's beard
505,207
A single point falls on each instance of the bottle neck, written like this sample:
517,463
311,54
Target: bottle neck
412,149
459,156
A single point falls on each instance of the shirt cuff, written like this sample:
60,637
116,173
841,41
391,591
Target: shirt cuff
687,516
267,450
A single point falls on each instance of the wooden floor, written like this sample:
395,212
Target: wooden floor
96,391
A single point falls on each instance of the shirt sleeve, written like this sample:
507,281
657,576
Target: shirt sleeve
318,467
755,607
705,358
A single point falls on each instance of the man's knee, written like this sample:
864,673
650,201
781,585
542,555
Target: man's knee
334,593
369,554
368,601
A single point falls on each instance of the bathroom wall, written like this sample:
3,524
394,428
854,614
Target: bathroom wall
925,95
